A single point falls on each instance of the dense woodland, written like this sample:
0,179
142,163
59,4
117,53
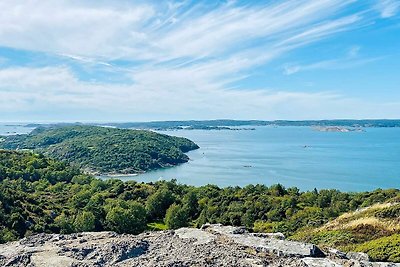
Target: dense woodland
39,194
105,150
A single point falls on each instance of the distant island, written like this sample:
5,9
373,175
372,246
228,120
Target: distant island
204,127
104,151
231,124
339,129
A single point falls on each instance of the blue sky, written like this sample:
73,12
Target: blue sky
133,60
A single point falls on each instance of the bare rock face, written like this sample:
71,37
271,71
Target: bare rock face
213,245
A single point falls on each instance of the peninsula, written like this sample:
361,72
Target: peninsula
101,150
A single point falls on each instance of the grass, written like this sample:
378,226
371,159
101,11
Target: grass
157,226
374,230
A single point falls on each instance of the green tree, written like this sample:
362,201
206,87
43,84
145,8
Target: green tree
158,203
176,217
64,223
190,203
84,222
131,220
7,235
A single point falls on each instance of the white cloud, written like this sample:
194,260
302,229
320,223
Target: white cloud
351,60
135,30
388,8
188,57
56,93
334,64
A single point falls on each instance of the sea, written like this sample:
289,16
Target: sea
292,156
14,128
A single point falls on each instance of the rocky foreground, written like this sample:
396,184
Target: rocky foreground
213,245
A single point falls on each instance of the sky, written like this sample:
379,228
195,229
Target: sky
131,60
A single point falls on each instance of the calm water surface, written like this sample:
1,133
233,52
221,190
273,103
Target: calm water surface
292,156
13,128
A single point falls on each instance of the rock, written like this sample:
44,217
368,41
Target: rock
336,254
200,236
270,235
213,245
268,245
358,256
320,262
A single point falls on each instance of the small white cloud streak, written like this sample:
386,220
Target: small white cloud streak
351,60
334,64
388,8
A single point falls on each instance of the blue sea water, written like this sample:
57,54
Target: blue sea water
14,128
292,156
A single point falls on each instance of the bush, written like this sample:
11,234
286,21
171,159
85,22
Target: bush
176,217
382,249
332,238
263,227
389,212
64,223
84,222
131,220
7,235
158,203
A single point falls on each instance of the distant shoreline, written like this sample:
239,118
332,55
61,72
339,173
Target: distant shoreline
232,124
338,129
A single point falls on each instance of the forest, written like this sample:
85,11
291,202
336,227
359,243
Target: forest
104,150
39,194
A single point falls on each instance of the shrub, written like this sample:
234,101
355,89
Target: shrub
84,222
389,212
176,217
382,249
131,220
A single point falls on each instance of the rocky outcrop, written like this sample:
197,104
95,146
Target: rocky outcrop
213,245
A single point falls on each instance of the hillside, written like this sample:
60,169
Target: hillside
42,195
105,150
374,230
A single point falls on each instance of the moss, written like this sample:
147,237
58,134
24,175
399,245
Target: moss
382,249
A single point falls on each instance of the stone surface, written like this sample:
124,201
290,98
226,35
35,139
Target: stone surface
358,256
213,245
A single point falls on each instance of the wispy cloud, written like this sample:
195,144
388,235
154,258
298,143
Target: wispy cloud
186,55
38,91
142,31
388,8
351,60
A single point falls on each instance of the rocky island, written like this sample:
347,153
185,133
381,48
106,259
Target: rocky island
339,129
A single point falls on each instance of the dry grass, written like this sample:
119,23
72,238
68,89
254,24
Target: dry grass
364,216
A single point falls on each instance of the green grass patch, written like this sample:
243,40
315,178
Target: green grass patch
157,226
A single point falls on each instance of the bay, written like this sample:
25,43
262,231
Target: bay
292,156
14,128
